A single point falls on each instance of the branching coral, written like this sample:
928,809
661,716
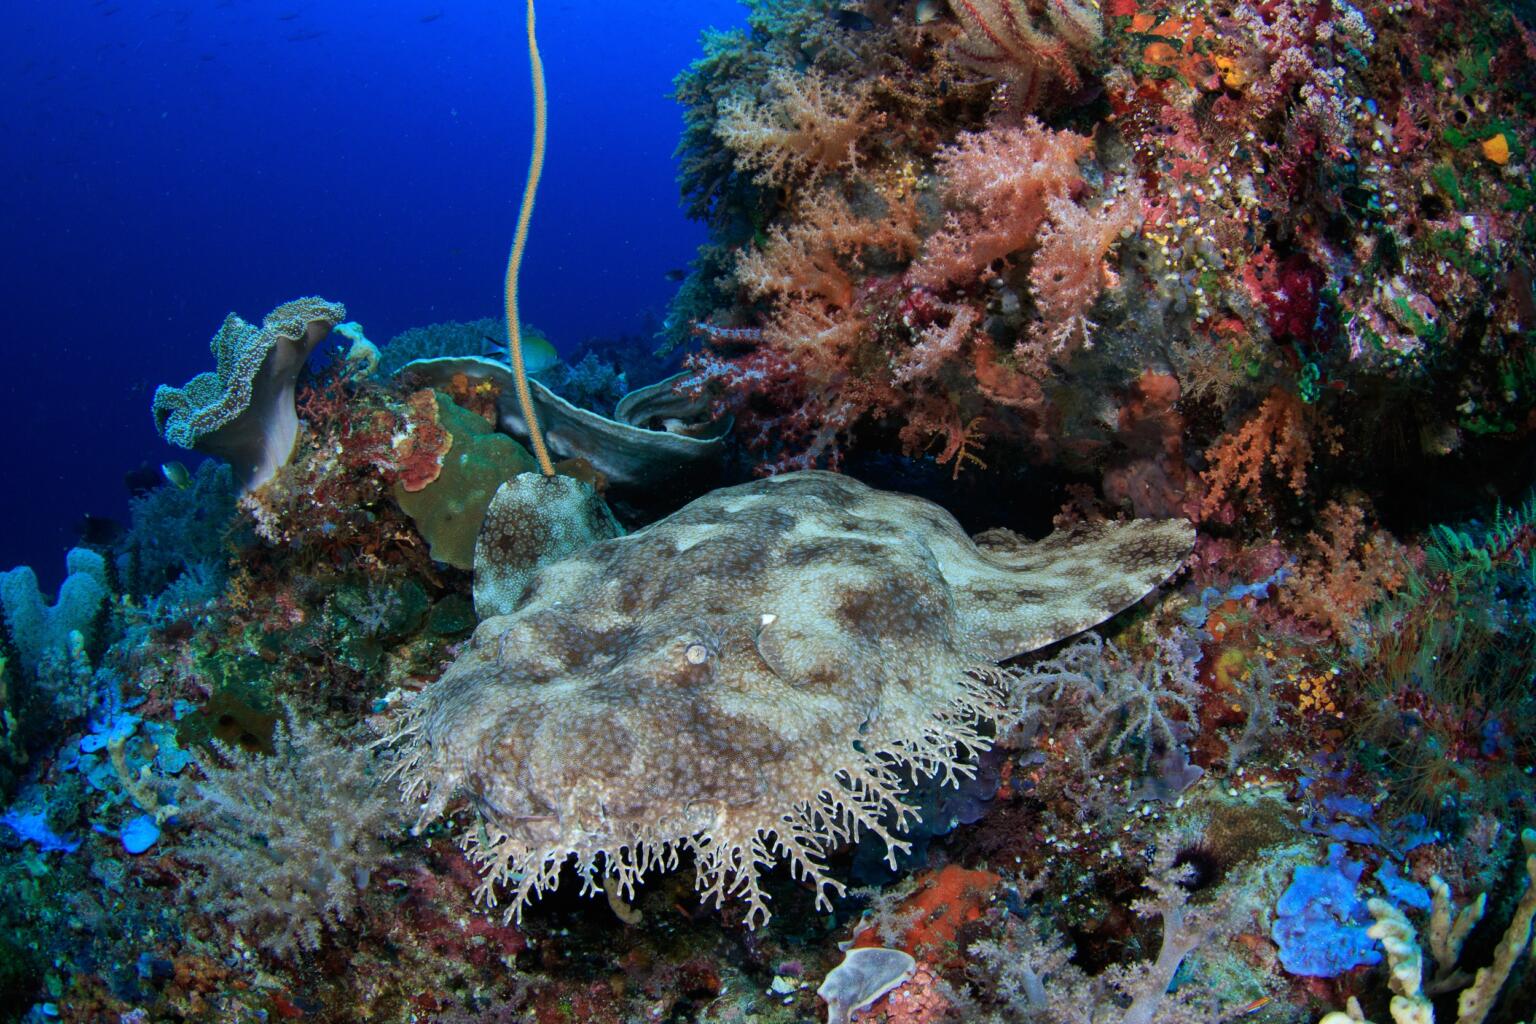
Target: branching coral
938,343
1009,40
811,362
1344,571
814,256
1118,699
1276,439
1030,974
286,843
176,531
1069,269
810,126
1004,179
451,338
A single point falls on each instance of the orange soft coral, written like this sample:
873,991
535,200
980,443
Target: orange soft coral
1005,178
1275,439
812,258
1344,570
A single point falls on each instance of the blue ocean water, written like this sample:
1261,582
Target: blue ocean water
168,162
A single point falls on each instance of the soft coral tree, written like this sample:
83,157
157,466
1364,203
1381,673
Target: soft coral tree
816,370
1003,180
809,125
815,256
1070,270
1025,46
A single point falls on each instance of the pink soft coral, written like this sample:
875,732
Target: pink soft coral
1070,269
793,392
813,258
938,342
1005,179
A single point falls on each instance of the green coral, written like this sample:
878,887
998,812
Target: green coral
448,511
373,615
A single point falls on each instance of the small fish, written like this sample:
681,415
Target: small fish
929,10
1254,1007
675,274
176,475
853,20
538,353
425,18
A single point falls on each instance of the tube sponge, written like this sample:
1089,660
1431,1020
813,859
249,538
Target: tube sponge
39,630
242,411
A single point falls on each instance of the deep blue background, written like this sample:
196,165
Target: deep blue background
164,163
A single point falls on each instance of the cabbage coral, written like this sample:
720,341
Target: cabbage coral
242,411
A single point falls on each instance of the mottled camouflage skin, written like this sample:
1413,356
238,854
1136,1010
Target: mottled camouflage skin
747,678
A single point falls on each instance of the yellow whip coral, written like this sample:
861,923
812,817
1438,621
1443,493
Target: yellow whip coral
520,239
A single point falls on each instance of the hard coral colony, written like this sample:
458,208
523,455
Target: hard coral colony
1234,296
